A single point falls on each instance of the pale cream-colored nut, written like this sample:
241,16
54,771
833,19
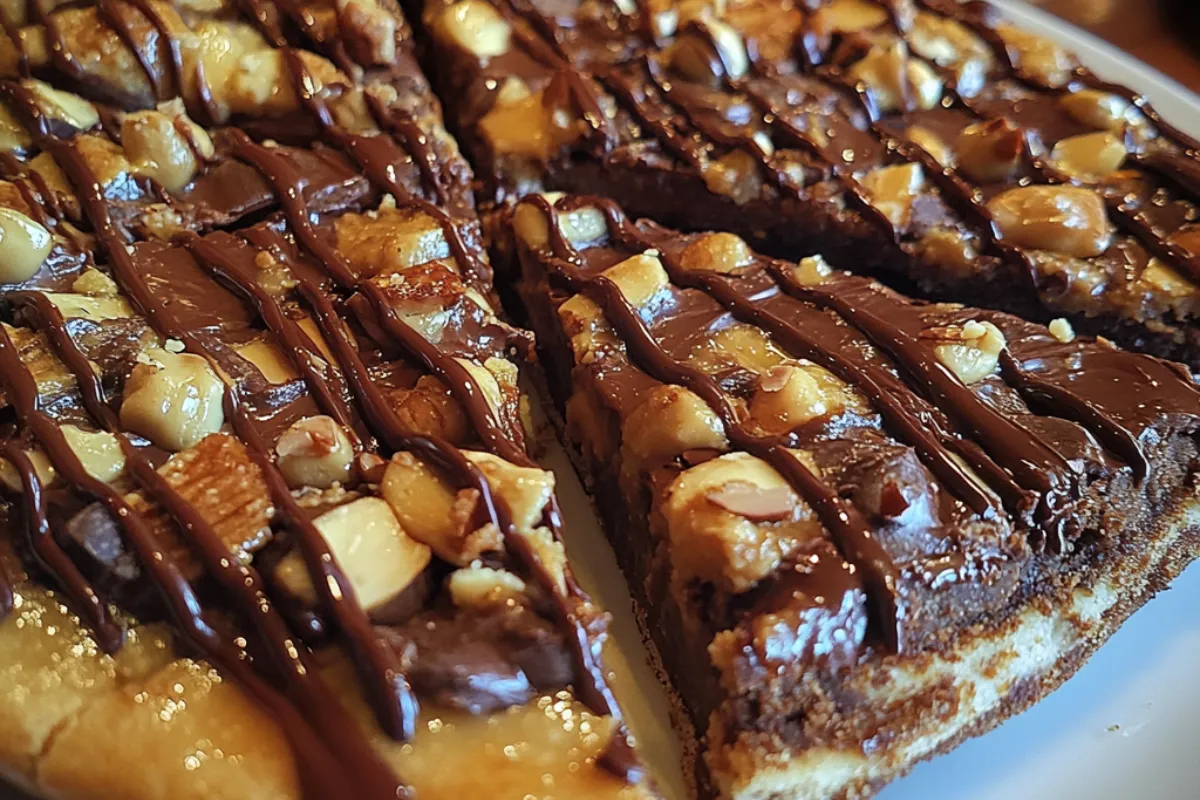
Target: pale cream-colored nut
893,190
477,27
1061,329
931,143
894,79
1037,56
157,150
946,42
377,557
692,56
13,136
1064,219
174,400
584,322
99,308
788,396
1090,156
196,135
390,240
812,271
725,253
640,278
24,245
991,150
763,140
550,555
488,384
526,490
848,16
732,520
669,421
512,91
10,476
482,588
536,127
96,283
736,175
315,451
579,226
49,171
971,350
70,108
949,248
433,513
98,451
270,360
1103,111
740,344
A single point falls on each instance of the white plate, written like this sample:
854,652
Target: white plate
1126,726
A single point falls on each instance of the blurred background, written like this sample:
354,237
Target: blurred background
1163,33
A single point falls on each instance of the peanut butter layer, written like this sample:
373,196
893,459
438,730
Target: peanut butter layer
262,420
928,141
813,477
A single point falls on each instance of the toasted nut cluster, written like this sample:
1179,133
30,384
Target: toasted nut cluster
931,143
584,322
174,400
1165,281
893,190
1091,156
717,252
430,408
484,588
1061,330
949,248
640,278
1100,110
24,246
98,451
732,520
789,396
734,175
971,350
165,145
812,271
95,283
378,558
894,79
691,55
315,451
671,420
1038,57
434,514
390,240
950,44
478,28
580,226
10,477
990,151
1064,219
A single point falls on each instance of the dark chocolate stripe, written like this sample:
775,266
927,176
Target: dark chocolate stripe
110,13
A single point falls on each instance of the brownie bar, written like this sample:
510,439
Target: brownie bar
275,447
849,515
927,142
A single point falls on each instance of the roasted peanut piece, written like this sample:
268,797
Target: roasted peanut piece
893,190
315,451
671,420
949,248
990,151
579,226
734,175
98,451
1038,57
174,401
526,490
24,245
970,350
789,396
640,278
948,43
848,16
157,150
10,476
1061,330
812,271
57,104
717,252
1100,110
896,81
477,27
732,520
485,589
1091,156
13,136
929,141
378,558
1065,219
